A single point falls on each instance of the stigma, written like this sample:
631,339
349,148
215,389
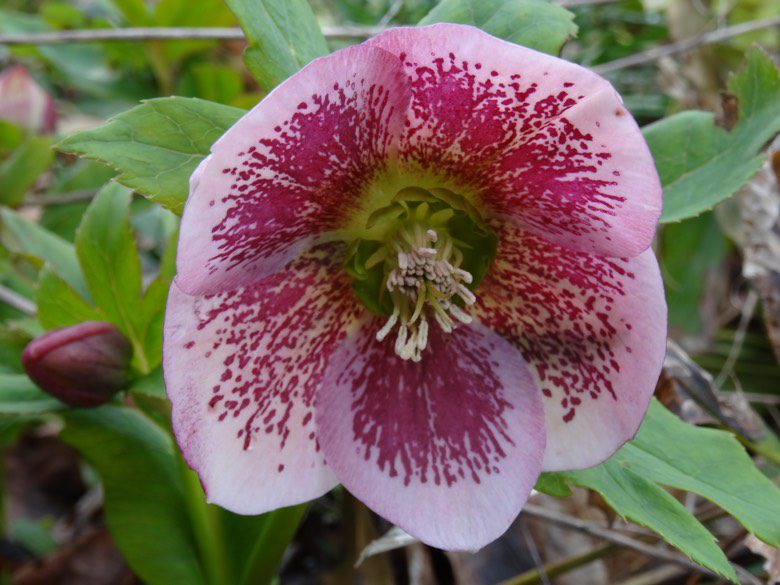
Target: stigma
427,285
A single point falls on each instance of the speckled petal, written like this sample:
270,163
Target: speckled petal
292,170
448,448
241,368
538,141
593,330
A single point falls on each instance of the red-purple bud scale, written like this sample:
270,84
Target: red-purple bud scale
82,365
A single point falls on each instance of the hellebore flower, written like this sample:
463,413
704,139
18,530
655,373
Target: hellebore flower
82,365
420,268
25,103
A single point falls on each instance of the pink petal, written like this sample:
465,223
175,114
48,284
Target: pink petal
542,142
449,448
241,368
291,170
593,330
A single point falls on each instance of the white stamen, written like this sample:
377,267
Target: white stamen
464,276
424,281
445,326
467,296
400,341
422,334
460,314
388,326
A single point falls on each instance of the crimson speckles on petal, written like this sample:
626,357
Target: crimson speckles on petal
292,185
539,139
242,368
557,307
420,268
592,329
256,335
459,428
290,171
517,148
437,448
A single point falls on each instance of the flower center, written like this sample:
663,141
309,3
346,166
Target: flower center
424,280
426,253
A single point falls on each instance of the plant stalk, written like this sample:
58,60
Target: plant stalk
206,527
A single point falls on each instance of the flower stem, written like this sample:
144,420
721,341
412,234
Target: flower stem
277,532
207,528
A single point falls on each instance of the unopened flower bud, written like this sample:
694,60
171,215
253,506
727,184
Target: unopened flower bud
82,365
25,103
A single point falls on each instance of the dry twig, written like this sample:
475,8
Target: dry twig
59,199
684,45
17,301
612,536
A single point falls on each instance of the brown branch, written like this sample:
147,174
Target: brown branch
684,45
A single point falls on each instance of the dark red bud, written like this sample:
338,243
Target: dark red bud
82,365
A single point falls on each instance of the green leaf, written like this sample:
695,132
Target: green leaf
711,463
157,145
135,12
647,504
689,251
20,397
210,13
29,240
152,385
152,307
283,37
11,136
216,83
553,484
701,164
83,175
21,170
537,24
708,462
144,496
59,305
109,258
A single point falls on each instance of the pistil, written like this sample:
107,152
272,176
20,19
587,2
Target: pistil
424,282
